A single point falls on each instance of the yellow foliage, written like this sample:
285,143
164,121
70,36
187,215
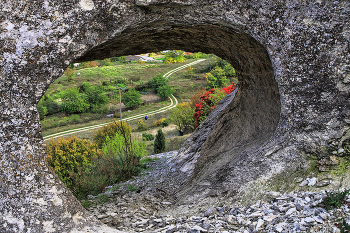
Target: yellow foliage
141,125
159,122
69,156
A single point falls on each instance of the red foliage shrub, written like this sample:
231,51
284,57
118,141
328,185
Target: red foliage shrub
208,102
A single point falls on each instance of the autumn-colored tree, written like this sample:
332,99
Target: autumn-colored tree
89,64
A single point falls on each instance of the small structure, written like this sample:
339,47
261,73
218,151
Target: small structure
140,57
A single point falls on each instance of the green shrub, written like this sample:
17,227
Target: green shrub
47,106
118,161
131,98
216,78
335,200
147,137
159,122
110,130
164,91
132,188
118,59
86,204
165,123
74,102
146,160
42,110
159,142
84,87
182,116
157,82
124,153
74,118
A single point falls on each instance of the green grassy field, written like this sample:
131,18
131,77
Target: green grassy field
185,83
139,73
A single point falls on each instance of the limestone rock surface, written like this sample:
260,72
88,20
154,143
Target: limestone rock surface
291,58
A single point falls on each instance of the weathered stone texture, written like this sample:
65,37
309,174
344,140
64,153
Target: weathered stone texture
292,59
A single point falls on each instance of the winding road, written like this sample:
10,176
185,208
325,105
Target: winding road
173,104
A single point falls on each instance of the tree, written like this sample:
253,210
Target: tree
131,98
159,142
209,101
196,98
216,78
164,91
157,82
174,56
124,153
42,109
110,130
182,116
73,101
96,96
47,106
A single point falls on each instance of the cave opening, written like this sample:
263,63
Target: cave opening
253,115
250,118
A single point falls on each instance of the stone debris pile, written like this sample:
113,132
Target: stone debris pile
295,212
136,210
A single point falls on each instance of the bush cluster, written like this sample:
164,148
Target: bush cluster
109,131
160,85
131,98
86,169
174,56
85,98
162,122
68,156
208,103
147,137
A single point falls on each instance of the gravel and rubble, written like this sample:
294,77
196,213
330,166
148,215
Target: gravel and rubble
134,206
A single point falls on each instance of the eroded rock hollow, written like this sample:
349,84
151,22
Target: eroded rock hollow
291,57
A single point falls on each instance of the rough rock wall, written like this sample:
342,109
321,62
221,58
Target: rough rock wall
291,57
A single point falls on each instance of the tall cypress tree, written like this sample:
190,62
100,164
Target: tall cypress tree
159,142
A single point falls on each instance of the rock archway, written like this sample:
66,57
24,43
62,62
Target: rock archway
292,62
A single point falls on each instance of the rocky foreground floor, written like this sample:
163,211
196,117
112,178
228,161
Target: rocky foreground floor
134,206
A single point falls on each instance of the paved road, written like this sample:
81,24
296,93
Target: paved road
173,104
